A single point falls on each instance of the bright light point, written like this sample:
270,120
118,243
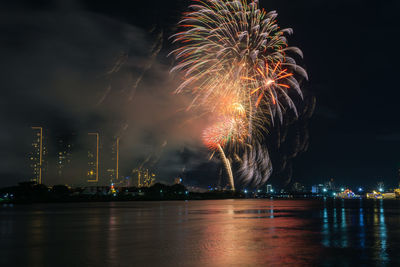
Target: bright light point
342,189
269,81
245,191
238,108
334,194
272,190
324,190
380,189
360,189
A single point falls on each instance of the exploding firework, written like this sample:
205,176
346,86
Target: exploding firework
228,131
234,48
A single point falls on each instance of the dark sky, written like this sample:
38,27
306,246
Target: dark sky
56,60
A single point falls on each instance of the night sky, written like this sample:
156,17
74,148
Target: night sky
57,61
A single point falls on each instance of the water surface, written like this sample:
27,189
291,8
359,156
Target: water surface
202,233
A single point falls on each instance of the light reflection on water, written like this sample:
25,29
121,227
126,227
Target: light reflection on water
202,233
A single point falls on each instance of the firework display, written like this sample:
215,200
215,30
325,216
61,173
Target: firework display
235,61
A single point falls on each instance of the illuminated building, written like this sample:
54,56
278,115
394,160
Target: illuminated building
317,188
374,195
113,172
64,157
93,158
269,189
347,194
38,155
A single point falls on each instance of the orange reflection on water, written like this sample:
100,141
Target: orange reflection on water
252,233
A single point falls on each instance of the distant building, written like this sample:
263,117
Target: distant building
93,158
298,187
64,157
317,189
346,194
38,155
374,195
113,171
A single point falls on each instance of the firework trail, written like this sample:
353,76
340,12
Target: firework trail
228,167
229,131
234,48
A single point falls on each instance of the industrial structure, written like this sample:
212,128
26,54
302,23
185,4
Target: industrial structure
144,177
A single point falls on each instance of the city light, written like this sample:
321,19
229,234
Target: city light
342,189
324,190
360,189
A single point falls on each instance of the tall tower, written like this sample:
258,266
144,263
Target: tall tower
113,171
93,159
64,156
36,155
117,160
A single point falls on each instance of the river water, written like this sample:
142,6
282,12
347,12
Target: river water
202,233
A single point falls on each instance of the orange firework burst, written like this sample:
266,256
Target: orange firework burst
235,61
226,131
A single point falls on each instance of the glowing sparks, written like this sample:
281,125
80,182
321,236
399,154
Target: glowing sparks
234,61
228,131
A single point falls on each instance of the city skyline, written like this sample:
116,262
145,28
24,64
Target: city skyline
141,177
101,166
